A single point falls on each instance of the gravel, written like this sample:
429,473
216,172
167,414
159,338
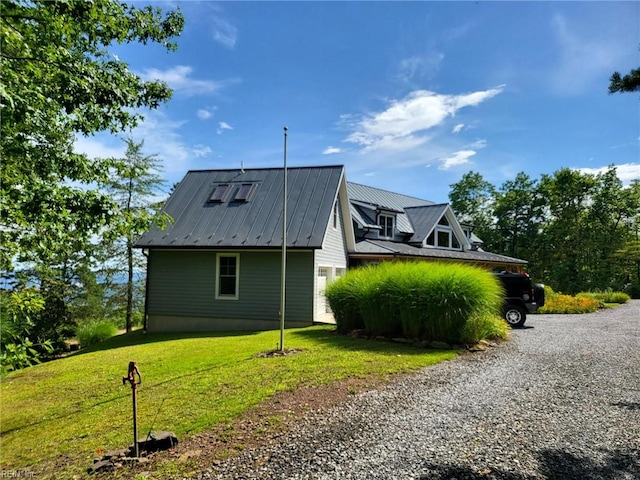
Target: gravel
560,400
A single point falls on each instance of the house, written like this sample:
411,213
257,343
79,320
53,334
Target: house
218,265
391,225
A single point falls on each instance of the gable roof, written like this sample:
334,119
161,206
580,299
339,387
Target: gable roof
424,219
366,202
252,222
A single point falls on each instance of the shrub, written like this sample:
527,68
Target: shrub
95,332
344,296
480,327
430,301
559,303
18,308
607,296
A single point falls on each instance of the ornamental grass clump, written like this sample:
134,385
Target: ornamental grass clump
380,300
428,301
344,296
608,296
95,332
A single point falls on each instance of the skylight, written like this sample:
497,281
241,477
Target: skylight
244,192
219,193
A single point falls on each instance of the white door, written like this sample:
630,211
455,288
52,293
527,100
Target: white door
323,311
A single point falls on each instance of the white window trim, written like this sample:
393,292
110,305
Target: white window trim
227,297
382,231
335,219
449,230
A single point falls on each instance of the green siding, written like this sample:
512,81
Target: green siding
182,283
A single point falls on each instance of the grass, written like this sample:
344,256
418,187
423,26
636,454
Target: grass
428,301
65,411
95,332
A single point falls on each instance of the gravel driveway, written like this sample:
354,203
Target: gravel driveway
561,400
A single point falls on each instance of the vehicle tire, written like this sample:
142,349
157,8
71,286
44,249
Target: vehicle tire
539,292
515,315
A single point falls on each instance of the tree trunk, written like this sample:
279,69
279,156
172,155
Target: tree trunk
129,283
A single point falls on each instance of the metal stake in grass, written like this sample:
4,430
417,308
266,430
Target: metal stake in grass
131,378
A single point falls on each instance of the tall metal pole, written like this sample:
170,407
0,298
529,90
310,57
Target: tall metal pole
284,246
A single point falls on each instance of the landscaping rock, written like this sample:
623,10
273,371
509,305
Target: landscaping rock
117,458
101,466
158,441
439,345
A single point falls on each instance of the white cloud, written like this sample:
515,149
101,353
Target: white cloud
222,126
179,79
626,171
224,32
101,146
458,128
331,150
200,151
456,159
162,136
478,144
397,126
420,67
204,114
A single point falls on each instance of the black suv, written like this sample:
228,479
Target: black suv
522,296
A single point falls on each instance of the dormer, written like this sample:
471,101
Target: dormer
437,227
387,224
443,236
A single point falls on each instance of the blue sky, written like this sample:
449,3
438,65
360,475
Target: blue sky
408,96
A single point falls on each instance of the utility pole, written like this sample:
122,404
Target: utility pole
283,279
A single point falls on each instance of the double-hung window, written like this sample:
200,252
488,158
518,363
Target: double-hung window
386,226
227,276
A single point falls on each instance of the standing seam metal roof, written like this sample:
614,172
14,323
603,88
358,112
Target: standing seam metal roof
424,219
387,248
383,200
254,223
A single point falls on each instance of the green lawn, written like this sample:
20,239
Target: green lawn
70,408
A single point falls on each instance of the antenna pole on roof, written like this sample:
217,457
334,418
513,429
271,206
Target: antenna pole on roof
284,245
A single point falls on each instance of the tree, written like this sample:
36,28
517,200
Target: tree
134,185
59,80
565,241
519,214
628,83
472,200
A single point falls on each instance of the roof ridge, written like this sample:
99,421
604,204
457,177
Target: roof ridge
443,204
263,169
389,191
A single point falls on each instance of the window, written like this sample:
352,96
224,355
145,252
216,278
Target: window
335,214
386,222
219,193
340,271
244,192
227,269
443,237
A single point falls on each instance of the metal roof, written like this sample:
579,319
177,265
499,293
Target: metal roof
387,248
254,222
384,200
424,219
